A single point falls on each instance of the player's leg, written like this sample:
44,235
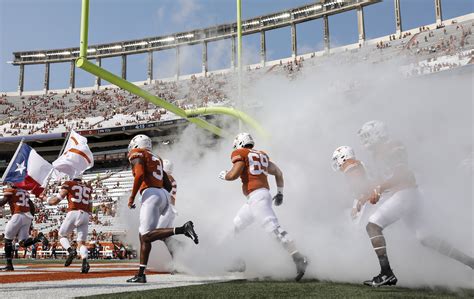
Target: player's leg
428,240
11,231
445,248
389,212
243,219
24,232
167,220
82,228
67,227
261,207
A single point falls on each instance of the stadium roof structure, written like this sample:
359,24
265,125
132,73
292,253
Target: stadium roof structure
289,17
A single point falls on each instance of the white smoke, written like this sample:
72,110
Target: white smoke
308,118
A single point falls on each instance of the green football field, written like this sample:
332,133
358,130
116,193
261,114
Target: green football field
284,289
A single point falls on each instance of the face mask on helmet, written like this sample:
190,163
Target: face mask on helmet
341,155
140,141
242,140
372,133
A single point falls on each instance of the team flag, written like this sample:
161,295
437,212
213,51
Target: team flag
77,156
28,170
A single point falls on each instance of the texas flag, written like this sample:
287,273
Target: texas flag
77,156
28,170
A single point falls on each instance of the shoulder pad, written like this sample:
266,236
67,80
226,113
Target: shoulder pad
239,154
136,153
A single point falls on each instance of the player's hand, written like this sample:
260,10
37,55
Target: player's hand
222,174
374,196
131,205
278,199
42,196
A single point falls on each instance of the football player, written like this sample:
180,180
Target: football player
153,184
344,160
78,195
22,210
397,183
253,166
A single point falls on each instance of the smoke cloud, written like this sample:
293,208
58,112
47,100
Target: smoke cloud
308,118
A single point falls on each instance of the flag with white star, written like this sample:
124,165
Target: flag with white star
28,170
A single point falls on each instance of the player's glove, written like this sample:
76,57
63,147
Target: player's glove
222,174
278,199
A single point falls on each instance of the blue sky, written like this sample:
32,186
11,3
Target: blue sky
48,24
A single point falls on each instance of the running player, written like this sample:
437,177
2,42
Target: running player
153,184
78,195
253,166
397,183
21,208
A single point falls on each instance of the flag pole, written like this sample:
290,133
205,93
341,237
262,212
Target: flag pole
13,159
65,142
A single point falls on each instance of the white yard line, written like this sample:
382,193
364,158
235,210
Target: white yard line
88,287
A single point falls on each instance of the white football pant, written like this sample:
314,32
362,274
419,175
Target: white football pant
404,204
76,219
155,203
19,225
257,208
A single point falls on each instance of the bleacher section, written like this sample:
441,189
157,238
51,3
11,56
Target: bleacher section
23,115
106,194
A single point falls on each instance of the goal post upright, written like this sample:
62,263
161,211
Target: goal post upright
98,71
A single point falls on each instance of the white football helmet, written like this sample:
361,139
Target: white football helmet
77,176
243,139
168,166
341,155
372,132
140,141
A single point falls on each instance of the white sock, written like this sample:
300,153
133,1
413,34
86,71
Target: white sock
64,243
84,252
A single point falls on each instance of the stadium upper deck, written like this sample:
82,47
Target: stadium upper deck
110,107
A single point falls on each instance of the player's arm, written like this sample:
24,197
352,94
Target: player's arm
55,199
138,170
235,172
278,174
401,173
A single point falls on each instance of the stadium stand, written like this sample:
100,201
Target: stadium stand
426,50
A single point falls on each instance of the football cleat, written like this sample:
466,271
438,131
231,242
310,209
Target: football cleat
7,268
301,264
138,278
189,231
85,268
72,255
381,280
